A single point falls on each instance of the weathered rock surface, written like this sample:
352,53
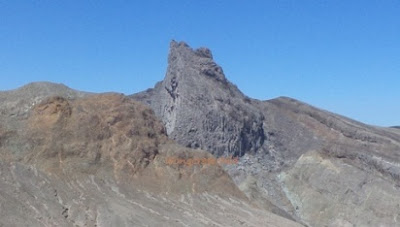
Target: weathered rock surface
69,158
287,147
30,197
331,192
200,108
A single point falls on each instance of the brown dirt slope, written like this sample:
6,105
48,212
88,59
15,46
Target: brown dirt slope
100,160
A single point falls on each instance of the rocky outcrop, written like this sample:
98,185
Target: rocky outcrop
283,145
201,108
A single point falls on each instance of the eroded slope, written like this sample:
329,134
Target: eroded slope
99,160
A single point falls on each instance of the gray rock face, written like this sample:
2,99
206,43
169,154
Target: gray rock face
200,108
295,160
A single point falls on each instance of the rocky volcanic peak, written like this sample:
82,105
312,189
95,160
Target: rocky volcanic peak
72,159
200,108
295,160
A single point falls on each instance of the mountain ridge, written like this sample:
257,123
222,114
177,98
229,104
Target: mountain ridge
294,160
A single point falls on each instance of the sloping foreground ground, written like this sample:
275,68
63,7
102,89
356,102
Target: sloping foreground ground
29,197
69,158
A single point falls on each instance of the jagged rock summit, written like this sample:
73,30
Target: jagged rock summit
298,161
201,108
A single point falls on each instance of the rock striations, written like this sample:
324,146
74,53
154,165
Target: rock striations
201,108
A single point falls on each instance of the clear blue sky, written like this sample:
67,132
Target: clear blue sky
340,55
